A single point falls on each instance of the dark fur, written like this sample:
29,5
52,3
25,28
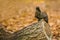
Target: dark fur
41,15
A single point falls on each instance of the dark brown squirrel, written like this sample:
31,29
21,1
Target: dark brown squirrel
41,15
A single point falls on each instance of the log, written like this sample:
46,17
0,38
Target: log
36,31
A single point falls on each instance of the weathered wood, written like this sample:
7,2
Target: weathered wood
34,31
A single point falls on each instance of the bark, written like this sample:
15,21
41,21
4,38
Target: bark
35,31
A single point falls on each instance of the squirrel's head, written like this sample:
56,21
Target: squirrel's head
38,9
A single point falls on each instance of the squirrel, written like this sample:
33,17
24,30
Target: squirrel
41,15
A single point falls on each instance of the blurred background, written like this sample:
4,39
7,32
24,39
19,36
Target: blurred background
16,14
